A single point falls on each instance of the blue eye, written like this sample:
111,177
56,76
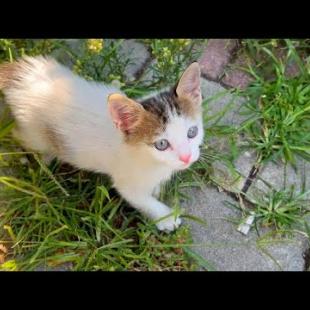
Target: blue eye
192,132
162,144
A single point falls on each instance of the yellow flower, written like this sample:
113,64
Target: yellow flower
95,45
184,42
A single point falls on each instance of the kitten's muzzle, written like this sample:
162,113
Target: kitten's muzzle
185,158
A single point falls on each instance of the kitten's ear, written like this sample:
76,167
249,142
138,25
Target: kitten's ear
189,84
126,113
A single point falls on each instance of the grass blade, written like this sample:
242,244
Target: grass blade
200,260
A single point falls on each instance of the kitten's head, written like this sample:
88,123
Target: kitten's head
167,126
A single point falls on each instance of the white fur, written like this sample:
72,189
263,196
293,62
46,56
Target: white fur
176,134
50,94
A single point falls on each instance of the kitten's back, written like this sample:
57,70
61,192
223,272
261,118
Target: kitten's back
53,106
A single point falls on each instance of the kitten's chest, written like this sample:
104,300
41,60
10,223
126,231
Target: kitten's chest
144,177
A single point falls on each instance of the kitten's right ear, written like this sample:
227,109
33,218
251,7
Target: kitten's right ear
126,113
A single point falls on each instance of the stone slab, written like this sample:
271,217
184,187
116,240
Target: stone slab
227,249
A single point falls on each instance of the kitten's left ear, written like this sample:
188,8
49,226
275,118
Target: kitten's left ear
125,113
189,84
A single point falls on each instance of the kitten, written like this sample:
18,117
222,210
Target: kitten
139,143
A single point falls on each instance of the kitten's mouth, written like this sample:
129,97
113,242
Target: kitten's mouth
185,165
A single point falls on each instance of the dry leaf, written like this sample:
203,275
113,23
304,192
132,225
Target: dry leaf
1,259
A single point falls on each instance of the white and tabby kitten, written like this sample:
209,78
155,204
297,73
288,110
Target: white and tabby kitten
139,143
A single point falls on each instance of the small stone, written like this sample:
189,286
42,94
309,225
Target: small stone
224,101
234,76
281,177
199,48
60,54
137,54
216,56
148,75
292,69
230,176
237,79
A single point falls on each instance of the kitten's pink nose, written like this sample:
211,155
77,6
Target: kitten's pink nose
185,158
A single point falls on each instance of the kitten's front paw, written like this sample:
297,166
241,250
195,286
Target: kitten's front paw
169,224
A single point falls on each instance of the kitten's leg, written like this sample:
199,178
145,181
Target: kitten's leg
35,143
152,208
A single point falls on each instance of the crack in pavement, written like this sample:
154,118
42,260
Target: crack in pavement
306,257
139,73
250,178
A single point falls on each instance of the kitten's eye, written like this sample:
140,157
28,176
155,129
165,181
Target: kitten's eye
162,144
192,132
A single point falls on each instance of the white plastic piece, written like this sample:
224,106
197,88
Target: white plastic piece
245,226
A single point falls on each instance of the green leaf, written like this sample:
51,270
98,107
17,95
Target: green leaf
196,219
6,129
20,185
307,229
104,190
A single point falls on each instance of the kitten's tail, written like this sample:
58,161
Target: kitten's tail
7,74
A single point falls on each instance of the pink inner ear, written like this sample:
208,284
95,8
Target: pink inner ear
189,84
123,116
192,89
196,92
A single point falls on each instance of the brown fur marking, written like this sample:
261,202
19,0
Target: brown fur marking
146,129
154,117
136,123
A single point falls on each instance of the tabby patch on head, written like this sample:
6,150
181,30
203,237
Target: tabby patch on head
142,121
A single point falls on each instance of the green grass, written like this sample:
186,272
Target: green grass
280,209
58,214
278,125
278,122
171,56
